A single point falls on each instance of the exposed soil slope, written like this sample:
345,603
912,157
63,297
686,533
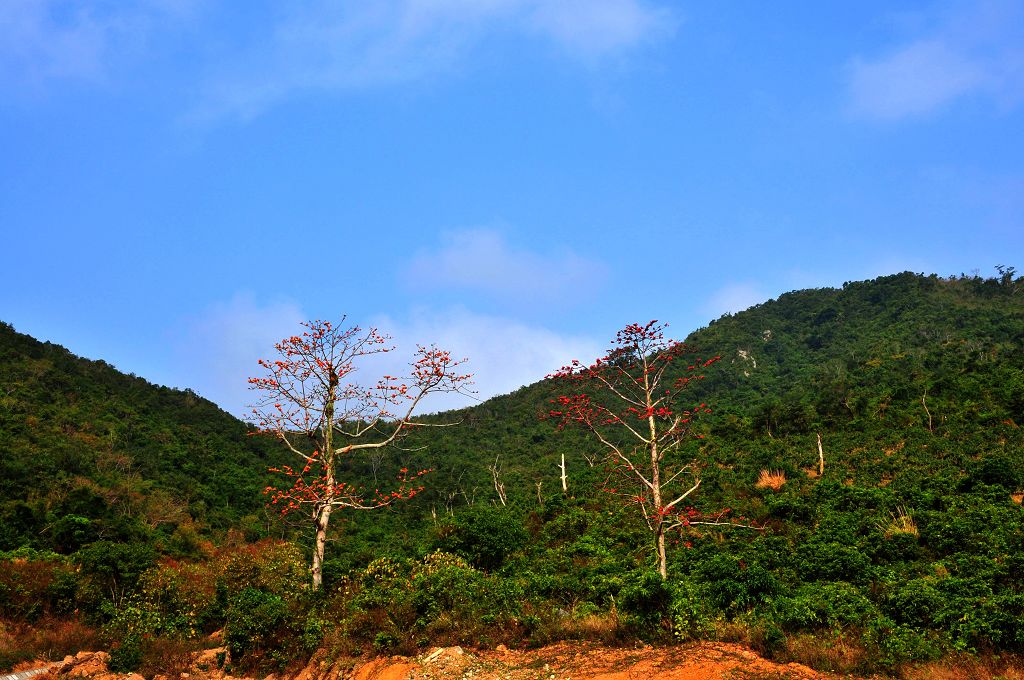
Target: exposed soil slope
577,661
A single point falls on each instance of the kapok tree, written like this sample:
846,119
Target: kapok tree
309,400
633,406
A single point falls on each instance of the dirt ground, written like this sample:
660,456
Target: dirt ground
563,661
581,661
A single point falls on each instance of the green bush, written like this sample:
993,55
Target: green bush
994,470
916,602
183,596
253,619
645,603
693,618
831,561
445,583
272,566
131,623
110,572
974,618
483,535
734,585
831,605
126,655
895,644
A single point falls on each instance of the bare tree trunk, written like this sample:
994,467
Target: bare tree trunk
565,479
540,499
376,458
499,486
662,558
925,404
821,457
319,546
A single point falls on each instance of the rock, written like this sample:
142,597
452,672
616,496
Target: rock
314,669
210,659
89,664
395,668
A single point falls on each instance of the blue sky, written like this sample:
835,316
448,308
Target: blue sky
183,181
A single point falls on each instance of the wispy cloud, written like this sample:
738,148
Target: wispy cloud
49,40
310,45
974,50
482,260
332,46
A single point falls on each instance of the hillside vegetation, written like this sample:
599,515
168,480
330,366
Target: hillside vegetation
904,548
91,453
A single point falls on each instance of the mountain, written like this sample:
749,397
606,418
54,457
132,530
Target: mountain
934,366
904,548
876,361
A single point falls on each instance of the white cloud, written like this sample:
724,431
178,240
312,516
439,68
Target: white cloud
733,298
219,348
503,354
482,260
974,51
331,46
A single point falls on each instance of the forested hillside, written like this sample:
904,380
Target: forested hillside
876,362
89,452
898,541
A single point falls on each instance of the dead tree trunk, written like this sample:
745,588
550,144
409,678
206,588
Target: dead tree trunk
821,457
929,413
499,486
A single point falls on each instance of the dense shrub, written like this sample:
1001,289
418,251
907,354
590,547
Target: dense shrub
254,618
916,602
693,617
483,535
646,603
110,572
733,585
273,566
895,644
30,588
994,470
823,605
183,596
831,561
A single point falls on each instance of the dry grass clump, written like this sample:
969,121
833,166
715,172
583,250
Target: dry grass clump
602,627
899,522
842,655
771,479
1001,667
47,639
168,657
